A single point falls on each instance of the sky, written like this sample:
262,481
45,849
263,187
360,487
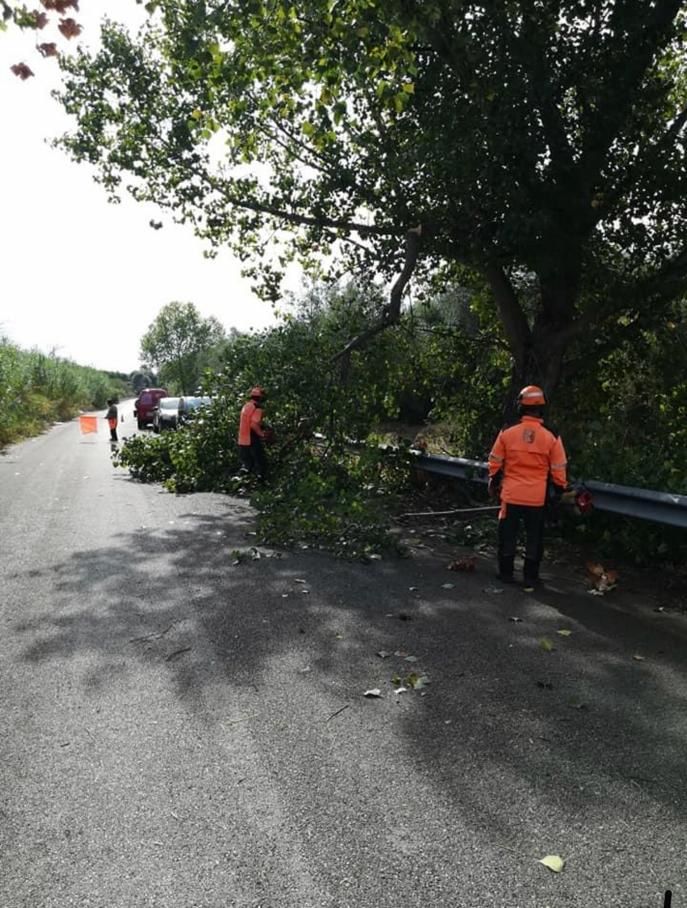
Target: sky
78,275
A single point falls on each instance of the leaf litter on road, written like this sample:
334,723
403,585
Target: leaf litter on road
463,564
413,681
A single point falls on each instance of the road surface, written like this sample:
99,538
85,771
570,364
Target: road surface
181,730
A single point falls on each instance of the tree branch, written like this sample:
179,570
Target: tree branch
545,94
628,70
302,220
392,312
644,157
512,316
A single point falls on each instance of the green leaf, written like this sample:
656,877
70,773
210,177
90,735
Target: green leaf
554,862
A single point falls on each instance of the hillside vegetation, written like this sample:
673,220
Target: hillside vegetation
37,390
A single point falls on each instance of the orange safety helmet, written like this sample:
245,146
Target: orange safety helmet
257,391
531,396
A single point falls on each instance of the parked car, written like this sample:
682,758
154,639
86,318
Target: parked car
166,414
189,405
145,404
171,412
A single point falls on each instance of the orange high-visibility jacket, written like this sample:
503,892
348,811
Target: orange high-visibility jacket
251,419
527,453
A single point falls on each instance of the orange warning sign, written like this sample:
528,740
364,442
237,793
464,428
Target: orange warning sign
88,424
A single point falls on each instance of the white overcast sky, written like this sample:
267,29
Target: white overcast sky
76,273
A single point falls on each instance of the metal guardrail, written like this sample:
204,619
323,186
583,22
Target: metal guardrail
642,504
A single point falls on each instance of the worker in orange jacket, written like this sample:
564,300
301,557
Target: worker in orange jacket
252,434
526,461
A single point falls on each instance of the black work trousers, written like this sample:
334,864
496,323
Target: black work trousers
509,524
253,457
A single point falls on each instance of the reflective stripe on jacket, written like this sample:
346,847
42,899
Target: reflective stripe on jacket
527,454
251,419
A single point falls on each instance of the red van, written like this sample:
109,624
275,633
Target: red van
145,403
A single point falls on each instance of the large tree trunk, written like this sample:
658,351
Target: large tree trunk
538,351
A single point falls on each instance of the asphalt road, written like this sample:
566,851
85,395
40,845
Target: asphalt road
180,730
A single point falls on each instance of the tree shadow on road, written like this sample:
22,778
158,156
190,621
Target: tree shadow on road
583,726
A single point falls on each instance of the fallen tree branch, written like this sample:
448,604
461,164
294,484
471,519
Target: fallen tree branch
491,507
153,636
337,712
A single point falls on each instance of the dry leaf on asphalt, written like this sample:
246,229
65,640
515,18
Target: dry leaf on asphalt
383,654
546,645
514,619
373,692
564,633
639,658
553,862
447,586
603,580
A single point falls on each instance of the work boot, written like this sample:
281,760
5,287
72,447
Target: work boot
505,574
530,574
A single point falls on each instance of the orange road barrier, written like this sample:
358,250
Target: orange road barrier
88,424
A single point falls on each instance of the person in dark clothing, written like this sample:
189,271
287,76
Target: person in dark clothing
112,417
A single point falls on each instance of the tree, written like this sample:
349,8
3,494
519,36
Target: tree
176,340
142,378
539,143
